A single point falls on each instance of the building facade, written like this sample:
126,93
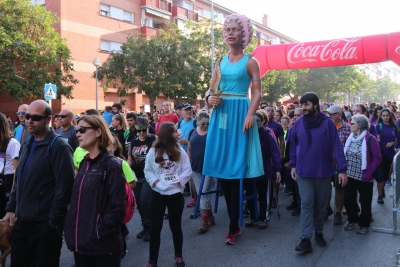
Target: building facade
93,28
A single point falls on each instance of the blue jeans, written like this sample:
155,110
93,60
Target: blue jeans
314,194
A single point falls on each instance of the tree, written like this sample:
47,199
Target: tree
174,63
32,53
381,90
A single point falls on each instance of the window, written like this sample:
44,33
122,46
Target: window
148,22
263,36
104,10
110,46
187,5
205,13
219,17
116,13
37,2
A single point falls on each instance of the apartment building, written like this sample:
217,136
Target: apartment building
93,28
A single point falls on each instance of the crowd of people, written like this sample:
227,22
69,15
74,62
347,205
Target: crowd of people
70,179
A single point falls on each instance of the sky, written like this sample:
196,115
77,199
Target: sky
317,20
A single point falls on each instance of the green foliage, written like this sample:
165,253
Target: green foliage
326,82
380,90
32,53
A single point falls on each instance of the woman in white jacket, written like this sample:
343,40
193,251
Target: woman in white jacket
167,171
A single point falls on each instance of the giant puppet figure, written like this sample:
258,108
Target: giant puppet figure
233,146
339,52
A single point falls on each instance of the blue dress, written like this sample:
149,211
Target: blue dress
230,154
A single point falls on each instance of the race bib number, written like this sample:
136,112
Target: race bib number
169,177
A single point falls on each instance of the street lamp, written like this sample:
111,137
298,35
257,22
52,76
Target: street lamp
96,63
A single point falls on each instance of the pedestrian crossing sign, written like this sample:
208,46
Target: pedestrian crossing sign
50,91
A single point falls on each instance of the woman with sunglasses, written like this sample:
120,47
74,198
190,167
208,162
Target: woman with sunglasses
138,149
196,148
97,207
9,153
167,170
119,126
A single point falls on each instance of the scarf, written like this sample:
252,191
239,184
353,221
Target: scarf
357,139
246,37
310,123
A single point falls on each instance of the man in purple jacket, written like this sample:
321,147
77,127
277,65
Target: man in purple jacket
314,143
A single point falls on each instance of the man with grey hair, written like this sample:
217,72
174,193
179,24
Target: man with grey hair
68,130
21,133
343,129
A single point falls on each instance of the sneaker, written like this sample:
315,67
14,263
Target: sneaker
191,203
389,182
230,239
273,203
363,230
380,200
179,262
237,232
304,245
296,212
262,225
350,225
328,213
250,223
146,236
292,206
151,265
212,220
319,238
141,233
205,225
338,219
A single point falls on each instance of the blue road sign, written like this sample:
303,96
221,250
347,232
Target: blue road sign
50,91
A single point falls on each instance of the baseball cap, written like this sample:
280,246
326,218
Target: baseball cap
186,106
335,109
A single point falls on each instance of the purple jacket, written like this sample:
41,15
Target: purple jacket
374,160
317,161
270,153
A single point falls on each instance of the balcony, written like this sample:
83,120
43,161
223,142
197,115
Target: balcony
148,31
184,13
158,4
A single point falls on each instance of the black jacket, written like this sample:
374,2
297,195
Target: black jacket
93,224
47,186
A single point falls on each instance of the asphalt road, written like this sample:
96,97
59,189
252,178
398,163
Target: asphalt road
273,246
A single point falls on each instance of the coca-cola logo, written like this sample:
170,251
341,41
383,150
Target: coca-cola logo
397,50
341,49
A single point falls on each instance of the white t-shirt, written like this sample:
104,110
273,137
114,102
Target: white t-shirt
12,152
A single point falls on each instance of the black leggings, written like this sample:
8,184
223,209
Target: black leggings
231,189
385,167
261,187
175,204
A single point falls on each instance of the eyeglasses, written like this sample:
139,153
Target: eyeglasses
35,117
63,116
352,123
263,107
205,124
82,129
142,131
21,113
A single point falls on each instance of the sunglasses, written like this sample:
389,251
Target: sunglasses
83,129
63,116
56,116
21,113
35,117
352,123
205,124
142,131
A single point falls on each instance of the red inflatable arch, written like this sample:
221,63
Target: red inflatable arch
339,52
